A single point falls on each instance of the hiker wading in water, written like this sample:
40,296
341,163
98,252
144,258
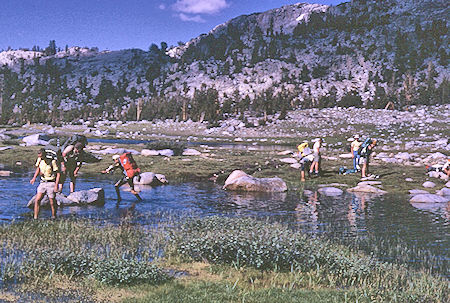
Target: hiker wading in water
47,167
129,167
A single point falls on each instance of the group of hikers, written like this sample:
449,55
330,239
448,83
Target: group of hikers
54,164
310,159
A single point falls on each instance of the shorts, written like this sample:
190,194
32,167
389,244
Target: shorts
47,188
316,157
304,164
364,160
124,180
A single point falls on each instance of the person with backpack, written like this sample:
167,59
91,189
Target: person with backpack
126,163
314,169
47,167
364,151
354,147
306,158
71,164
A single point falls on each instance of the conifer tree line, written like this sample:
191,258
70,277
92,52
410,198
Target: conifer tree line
408,78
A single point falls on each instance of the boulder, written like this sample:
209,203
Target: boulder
6,148
295,165
447,184
285,152
366,188
149,152
116,151
166,152
5,173
191,152
428,184
363,183
409,180
289,160
36,139
403,156
330,191
429,198
240,181
149,178
417,191
94,196
444,192
346,156
91,196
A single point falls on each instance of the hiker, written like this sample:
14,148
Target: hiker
306,158
446,168
314,169
354,147
47,167
364,151
130,169
71,164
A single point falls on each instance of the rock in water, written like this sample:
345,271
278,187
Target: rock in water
95,196
149,178
240,181
429,198
330,191
91,196
366,188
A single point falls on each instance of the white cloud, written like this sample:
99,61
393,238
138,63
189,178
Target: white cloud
196,18
162,6
200,6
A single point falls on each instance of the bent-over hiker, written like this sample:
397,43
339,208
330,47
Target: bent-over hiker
48,169
71,164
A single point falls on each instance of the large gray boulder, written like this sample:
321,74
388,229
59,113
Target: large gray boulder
94,196
36,139
91,196
444,191
428,184
330,191
429,198
240,181
149,178
191,152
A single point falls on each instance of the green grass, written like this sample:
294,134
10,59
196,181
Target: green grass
52,259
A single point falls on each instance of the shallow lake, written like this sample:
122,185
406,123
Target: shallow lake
389,218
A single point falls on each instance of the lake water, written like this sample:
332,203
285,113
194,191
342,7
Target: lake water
389,218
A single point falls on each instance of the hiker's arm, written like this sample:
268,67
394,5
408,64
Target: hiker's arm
36,173
58,176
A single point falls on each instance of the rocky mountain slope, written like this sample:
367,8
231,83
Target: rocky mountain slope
360,53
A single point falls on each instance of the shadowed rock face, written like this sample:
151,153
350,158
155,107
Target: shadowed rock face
95,196
240,181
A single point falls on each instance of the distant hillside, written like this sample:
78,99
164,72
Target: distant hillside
362,53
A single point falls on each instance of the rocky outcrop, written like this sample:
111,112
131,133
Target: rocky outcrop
95,196
240,181
149,178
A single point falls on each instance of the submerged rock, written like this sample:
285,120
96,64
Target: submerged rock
95,196
240,181
330,191
5,173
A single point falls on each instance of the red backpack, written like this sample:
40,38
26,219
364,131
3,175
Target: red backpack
130,166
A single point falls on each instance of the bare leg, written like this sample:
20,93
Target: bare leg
52,206
302,176
37,203
72,186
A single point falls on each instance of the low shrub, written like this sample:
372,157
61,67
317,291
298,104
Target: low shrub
112,271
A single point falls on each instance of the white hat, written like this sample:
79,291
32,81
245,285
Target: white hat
356,136
116,157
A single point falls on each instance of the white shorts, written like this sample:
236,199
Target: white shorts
47,188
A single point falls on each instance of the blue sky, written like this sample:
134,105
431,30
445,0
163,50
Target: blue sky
119,24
